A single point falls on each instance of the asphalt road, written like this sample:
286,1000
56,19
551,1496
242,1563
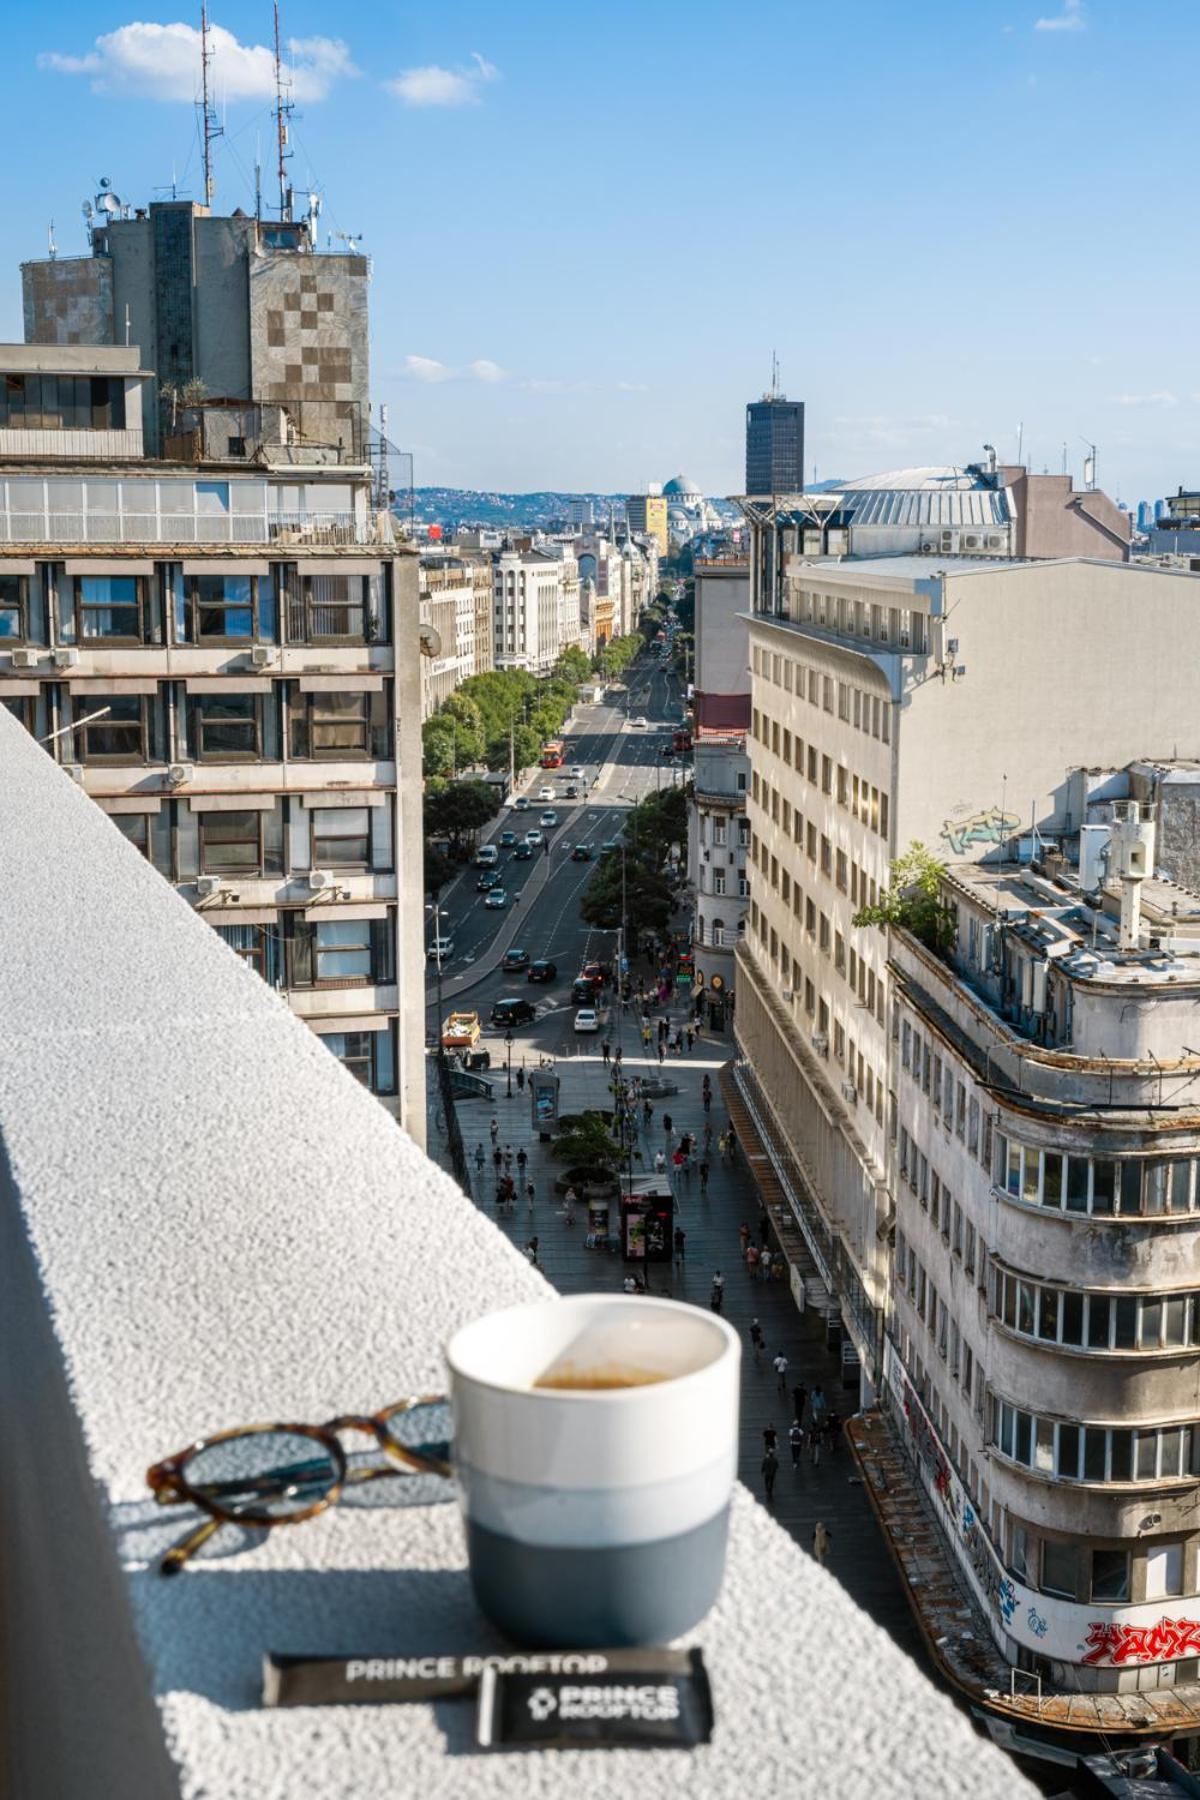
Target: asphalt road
546,891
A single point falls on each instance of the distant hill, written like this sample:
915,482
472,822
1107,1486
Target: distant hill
450,507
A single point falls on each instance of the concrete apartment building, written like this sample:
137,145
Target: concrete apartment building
448,611
526,610
718,828
223,654
1044,1316
646,516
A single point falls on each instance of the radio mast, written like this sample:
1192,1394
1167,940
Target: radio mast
211,129
283,108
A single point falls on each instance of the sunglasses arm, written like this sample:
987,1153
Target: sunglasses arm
175,1558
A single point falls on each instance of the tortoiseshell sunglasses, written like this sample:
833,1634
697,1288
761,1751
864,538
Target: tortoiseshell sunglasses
265,1475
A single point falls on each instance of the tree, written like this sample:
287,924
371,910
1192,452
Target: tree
437,745
438,869
467,720
642,901
459,809
913,900
584,1141
573,666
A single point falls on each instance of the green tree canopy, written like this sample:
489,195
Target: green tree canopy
643,900
467,719
458,809
913,900
437,745
585,1141
438,869
573,665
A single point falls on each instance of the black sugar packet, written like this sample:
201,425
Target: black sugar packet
537,1700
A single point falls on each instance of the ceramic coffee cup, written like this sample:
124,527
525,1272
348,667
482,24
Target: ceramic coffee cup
595,1515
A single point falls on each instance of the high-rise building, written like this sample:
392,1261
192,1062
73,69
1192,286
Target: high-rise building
647,514
775,446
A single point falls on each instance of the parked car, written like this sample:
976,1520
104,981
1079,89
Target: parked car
508,839
542,970
497,899
523,852
488,880
440,949
549,818
515,959
533,837
587,1019
581,853
513,1011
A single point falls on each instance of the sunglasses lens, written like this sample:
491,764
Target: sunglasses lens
262,1474
426,1430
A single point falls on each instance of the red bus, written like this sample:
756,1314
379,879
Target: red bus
552,754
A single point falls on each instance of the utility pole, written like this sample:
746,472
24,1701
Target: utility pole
282,111
209,127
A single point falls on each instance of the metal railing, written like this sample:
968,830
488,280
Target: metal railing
302,529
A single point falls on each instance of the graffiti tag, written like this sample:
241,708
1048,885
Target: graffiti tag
989,827
1142,1643
1036,1622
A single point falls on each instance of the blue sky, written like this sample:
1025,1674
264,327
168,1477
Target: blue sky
590,226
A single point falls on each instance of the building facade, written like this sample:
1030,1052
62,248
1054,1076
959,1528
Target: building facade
646,515
526,610
447,603
775,445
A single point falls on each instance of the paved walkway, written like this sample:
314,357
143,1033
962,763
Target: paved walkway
831,1491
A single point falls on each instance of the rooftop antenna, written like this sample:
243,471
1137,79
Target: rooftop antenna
258,179
1089,464
774,376
283,108
51,246
1020,441
211,129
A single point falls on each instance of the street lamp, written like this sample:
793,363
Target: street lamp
508,1052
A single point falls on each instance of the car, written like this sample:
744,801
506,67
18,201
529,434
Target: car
440,950
488,880
497,899
572,792
583,991
515,959
639,724
546,793
513,1011
596,971
523,852
533,837
521,803
508,839
609,845
581,853
579,772
487,856
587,1019
542,970
549,818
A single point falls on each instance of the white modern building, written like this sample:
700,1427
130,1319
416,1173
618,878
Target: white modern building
527,604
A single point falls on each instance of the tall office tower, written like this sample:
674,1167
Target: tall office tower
775,445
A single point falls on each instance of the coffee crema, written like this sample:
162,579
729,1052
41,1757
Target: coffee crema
566,1376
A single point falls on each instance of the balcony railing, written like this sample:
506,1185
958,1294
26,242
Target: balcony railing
300,529
191,1192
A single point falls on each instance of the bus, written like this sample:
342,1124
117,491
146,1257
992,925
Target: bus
552,754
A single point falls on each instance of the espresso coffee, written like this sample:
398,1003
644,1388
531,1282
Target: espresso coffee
583,1380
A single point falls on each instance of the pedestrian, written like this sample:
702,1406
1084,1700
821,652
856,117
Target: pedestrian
647,1112
569,1199
529,1194
717,1298
531,1251
704,1176
796,1441
690,1034
494,1128
722,1145
770,1436
731,1136
814,1444
707,1098
617,1057
660,1053
770,1469
498,1160
756,1338
707,1139
799,1396
744,1235
522,1159
668,1130
764,1263
780,1365
508,1159
752,1261
822,1538
479,1159
521,1078
818,1404
680,1246
660,1162
604,1052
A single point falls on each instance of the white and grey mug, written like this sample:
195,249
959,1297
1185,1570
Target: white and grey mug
595,1515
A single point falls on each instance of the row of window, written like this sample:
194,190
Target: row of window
868,713
939,1322
1068,1451
171,607
182,844
1095,1321
133,728
713,881
1104,1186
714,828
719,934
897,626
1079,1572
62,402
935,1198
948,1095
868,804
296,952
866,986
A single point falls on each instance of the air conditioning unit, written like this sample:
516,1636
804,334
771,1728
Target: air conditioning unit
849,1093
66,657
178,773
262,656
997,541
820,1043
972,541
949,540
207,886
787,994
319,878
26,659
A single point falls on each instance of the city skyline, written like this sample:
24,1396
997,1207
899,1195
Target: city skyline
598,318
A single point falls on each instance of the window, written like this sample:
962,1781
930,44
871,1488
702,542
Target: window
327,608
230,843
224,607
109,608
1060,1569
353,1051
341,836
331,726
343,950
135,827
115,731
258,945
1018,1551
1110,1575
1164,1572
227,727
14,590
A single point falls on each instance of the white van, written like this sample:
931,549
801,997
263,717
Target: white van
487,856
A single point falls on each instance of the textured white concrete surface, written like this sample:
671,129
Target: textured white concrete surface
206,1222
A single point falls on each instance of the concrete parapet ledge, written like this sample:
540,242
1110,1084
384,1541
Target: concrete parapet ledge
204,1222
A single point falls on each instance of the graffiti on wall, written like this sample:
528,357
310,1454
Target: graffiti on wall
991,826
1115,1644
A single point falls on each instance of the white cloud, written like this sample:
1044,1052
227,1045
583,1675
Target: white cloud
632,387
484,370
426,368
429,369
162,62
1071,18
1161,397
433,85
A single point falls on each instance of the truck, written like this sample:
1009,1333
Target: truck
460,1031
553,755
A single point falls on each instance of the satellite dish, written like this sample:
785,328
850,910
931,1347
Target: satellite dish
431,641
